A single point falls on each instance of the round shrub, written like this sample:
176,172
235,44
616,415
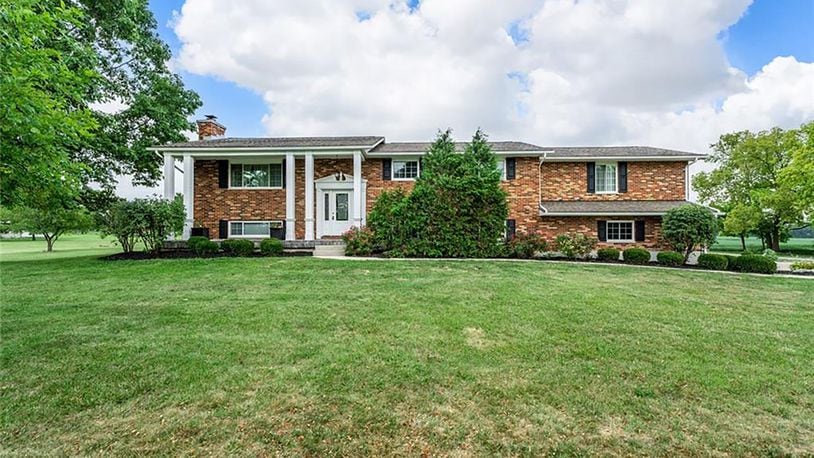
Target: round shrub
636,256
670,258
713,261
237,247
575,245
755,264
271,247
688,227
194,241
731,261
608,254
525,246
205,248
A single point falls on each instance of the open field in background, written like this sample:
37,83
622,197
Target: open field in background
793,249
321,357
69,245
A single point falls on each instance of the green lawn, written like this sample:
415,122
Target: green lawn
794,248
302,356
69,245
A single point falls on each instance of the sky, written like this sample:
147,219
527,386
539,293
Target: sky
553,73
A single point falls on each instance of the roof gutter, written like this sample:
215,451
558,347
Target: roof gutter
624,158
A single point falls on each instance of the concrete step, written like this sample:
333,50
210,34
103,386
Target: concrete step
329,250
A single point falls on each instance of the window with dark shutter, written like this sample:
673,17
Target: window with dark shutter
591,166
602,230
223,229
622,168
511,229
387,168
223,174
639,231
511,168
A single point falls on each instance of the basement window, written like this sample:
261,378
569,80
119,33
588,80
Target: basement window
250,229
620,231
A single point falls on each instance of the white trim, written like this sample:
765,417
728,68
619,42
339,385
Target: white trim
329,183
169,177
625,158
265,150
405,159
386,154
254,162
309,196
229,229
189,194
632,231
290,195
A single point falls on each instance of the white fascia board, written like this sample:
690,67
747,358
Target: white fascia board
624,158
225,152
423,153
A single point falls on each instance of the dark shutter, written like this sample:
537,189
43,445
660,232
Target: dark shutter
223,229
278,233
511,168
602,230
511,229
639,230
387,168
420,165
223,174
591,177
283,173
622,170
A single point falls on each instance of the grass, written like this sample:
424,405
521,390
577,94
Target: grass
301,356
69,245
792,249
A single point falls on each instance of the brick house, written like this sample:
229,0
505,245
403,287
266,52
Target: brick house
310,188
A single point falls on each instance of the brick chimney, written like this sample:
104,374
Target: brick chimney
210,128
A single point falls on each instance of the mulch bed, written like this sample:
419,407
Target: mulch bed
185,254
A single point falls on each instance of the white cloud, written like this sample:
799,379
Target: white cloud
588,72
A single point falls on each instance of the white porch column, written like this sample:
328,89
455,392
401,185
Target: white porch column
189,193
290,195
357,188
169,176
309,196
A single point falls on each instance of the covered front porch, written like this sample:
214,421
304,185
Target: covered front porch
305,196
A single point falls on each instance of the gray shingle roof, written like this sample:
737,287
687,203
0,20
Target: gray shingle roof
608,208
279,142
421,147
556,152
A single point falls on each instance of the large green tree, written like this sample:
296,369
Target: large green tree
749,167
799,175
61,62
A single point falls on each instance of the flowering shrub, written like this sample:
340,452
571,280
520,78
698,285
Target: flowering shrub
575,245
358,242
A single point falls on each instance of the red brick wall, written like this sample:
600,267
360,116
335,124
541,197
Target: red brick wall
550,226
663,181
645,181
213,203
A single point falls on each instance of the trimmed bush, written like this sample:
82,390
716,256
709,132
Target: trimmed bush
688,227
769,253
636,256
670,258
608,254
730,261
271,247
237,247
575,245
193,241
802,265
358,242
713,261
524,246
755,264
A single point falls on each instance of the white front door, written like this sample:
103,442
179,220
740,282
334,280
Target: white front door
337,211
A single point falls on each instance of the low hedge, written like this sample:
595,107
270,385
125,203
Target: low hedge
670,258
608,254
202,246
713,261
237,247
636,256
525,246
271,247
754,263
802,265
